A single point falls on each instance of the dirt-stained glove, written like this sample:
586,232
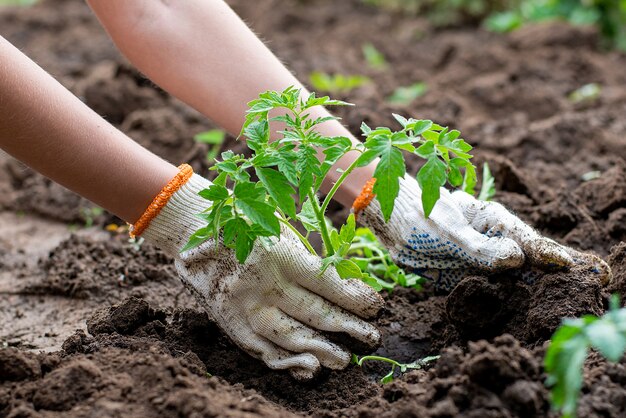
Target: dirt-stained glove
462,236
273,306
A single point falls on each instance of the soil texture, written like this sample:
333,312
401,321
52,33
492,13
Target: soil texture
94,325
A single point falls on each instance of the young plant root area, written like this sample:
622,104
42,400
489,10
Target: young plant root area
93,327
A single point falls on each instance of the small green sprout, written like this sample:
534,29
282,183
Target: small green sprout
215,138
336,84
404,96
585,94
569,347
374,58
402,367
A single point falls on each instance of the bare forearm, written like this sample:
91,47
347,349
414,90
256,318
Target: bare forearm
49,129
202,53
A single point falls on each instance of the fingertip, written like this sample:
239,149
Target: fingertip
547,253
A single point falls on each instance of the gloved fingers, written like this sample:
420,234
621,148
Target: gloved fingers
302,366
320,314
289,334
463,247
492,219
352,295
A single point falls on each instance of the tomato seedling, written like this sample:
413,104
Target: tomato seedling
402,367
290,175
336,84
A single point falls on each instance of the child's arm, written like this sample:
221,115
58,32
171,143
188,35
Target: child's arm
48,128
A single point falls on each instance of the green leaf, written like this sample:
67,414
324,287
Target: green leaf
387,173
214,192
374,58
200,236
431,177
605,337
404,96
469,180
426,150
488,188
243,247
212,137
347,269
348,230
260,213
233,228
307,217
420,126
279,189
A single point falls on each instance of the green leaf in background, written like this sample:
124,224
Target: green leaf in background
431,177
404,96
336,83
488,188
374,58
214,137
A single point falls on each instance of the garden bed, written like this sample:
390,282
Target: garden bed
91,323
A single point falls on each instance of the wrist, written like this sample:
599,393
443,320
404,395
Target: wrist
171,218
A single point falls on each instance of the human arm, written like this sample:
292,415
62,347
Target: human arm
52,131
204,54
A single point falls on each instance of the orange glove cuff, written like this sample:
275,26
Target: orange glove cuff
364,199
160,200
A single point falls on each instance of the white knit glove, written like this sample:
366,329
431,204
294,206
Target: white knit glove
275,305
464,236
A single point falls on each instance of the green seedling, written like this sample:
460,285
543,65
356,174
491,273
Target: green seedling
585,94
374,259
336,84
570,346
215,138
404,96
402,367
488,187
374,58
90,214
290,173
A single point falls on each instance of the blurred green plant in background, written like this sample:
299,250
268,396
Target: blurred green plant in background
17,2
609,16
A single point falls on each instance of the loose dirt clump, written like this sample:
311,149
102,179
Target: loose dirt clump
145,348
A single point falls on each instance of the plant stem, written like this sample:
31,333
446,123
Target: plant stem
337,184
299,235
378,358
322,221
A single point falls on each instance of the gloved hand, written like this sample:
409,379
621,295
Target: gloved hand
273,306
463,236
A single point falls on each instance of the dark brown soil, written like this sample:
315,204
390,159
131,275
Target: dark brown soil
96,326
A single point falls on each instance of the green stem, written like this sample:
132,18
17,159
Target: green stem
299,235
338,183
322,221
378,358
